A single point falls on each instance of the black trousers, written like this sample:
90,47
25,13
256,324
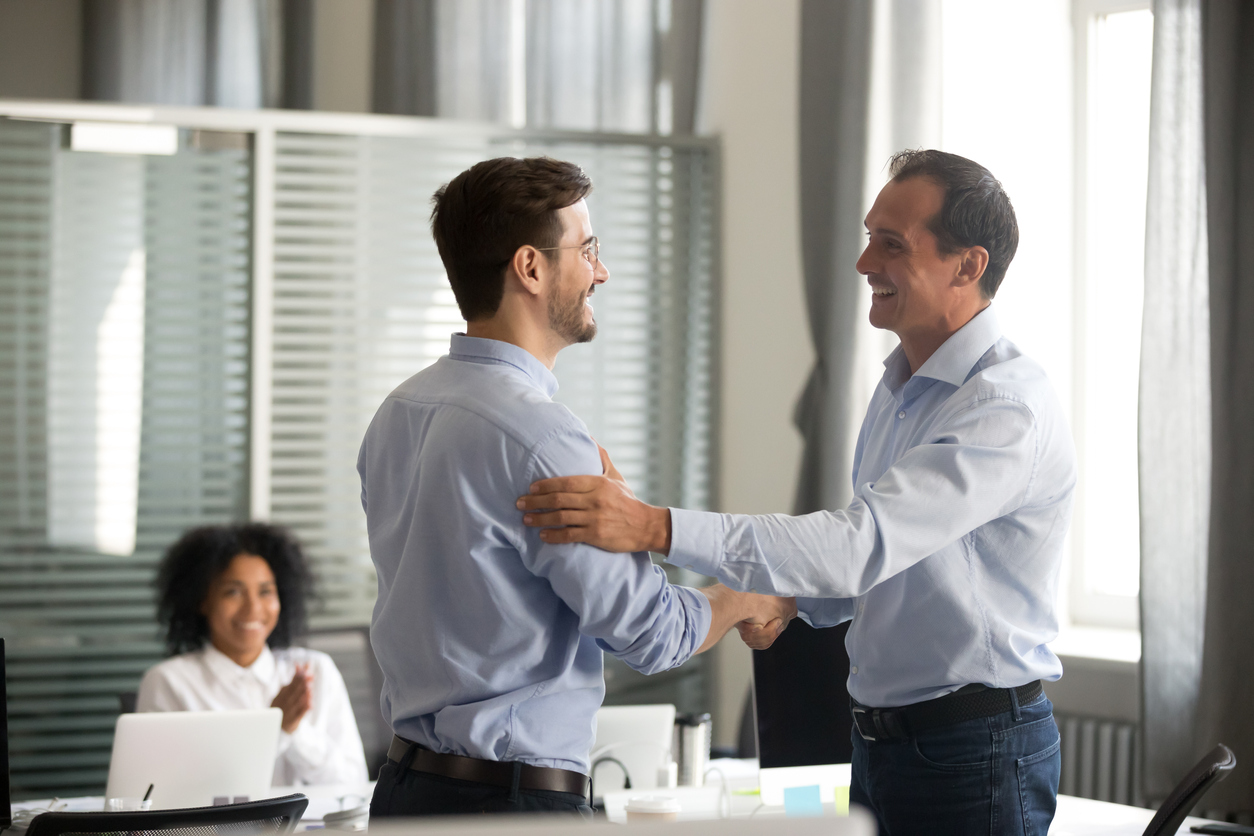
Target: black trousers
423,794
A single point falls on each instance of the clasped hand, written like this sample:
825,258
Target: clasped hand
771,618
295,698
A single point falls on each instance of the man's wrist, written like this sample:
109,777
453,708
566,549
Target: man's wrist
659,530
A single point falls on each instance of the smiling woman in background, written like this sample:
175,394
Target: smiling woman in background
231,599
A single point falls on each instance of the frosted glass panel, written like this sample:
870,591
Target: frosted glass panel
123,372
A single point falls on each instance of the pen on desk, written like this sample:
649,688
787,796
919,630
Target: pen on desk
148,794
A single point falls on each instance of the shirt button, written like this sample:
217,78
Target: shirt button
901,414
854,669
752,591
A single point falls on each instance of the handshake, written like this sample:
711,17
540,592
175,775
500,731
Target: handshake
759,618
769,618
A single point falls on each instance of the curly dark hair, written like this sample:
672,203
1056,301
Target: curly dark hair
201,554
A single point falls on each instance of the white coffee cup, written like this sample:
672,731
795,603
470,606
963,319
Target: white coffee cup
652,808
119,805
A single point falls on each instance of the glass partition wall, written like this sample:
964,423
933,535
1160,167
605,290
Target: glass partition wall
201,335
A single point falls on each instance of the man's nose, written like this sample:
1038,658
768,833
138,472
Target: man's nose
602,274
865,265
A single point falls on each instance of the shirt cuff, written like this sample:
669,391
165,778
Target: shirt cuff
696,541
700,614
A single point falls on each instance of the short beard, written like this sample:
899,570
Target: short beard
567,321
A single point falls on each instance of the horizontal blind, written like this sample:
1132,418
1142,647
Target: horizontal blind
361,303
127,281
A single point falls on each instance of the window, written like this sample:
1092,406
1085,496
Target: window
1064,123
204,336
1114,44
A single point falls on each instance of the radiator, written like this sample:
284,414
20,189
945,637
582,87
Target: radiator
1101,759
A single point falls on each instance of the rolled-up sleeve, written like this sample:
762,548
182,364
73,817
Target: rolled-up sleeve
624,602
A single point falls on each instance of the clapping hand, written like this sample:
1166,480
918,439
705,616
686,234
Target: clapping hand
295,698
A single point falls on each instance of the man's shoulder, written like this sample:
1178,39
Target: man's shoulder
1005,373
488,399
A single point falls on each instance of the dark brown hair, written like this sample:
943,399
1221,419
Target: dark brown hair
482,216
976,211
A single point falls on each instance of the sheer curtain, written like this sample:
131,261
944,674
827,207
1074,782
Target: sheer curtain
870,86
1197,393
612,65
182,52
1174,414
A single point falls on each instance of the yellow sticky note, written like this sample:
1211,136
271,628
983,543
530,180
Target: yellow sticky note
842,801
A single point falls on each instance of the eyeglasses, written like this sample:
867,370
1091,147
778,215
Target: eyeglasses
591,251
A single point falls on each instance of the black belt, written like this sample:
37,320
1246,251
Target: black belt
969,703
496,773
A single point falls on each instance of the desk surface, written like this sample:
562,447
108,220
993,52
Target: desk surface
1075,816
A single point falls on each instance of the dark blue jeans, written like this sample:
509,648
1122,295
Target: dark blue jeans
422,794
996,775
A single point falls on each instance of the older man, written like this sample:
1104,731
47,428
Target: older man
947,559
491,640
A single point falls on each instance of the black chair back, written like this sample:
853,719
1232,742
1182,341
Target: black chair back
1209,771
268,816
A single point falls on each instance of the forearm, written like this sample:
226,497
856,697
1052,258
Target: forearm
727,609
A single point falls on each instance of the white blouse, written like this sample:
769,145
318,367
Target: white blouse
325,748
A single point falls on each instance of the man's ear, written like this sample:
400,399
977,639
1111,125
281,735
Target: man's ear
528,268
971,266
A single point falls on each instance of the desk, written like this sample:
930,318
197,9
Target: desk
1075,816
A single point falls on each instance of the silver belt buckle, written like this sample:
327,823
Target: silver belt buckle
868,713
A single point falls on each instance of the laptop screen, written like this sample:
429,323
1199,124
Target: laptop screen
6,808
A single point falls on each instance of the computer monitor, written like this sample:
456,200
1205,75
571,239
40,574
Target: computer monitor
803,719
6,803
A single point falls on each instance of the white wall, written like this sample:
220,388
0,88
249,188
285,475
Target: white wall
749,99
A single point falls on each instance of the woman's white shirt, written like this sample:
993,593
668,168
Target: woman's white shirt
326,746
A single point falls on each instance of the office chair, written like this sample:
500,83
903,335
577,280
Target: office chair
1209,771
266,817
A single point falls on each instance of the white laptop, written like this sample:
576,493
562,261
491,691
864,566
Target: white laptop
194,758
639,738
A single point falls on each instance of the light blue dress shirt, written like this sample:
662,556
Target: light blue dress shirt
490,640
947,558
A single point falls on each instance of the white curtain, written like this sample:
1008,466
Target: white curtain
1175,403
178,52
616,66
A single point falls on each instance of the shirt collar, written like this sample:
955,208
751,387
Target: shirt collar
480,350
953,361
224,667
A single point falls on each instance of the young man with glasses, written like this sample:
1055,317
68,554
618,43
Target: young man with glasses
491,640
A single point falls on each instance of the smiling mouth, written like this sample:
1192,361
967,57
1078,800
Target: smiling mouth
251,625
883,291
